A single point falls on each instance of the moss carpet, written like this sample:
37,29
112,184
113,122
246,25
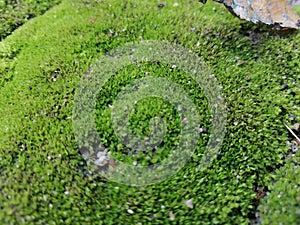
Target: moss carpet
44,179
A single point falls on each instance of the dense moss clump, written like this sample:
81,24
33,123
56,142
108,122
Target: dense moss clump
44,179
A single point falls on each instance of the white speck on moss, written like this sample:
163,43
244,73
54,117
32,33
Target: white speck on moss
189,203
130,211
200,130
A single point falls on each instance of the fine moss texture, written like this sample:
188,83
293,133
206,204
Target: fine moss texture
44,178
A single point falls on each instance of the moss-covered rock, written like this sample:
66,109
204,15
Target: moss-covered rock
43,176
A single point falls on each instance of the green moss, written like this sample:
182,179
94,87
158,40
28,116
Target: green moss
16,13
41,65
148,108
281,206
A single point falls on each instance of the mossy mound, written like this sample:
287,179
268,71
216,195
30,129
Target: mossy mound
43,176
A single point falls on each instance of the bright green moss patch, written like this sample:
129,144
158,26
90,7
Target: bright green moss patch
147,109
44,179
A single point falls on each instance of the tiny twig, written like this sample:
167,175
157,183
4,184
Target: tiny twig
292,132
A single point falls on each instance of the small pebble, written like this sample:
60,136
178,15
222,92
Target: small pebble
185,120
292,117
